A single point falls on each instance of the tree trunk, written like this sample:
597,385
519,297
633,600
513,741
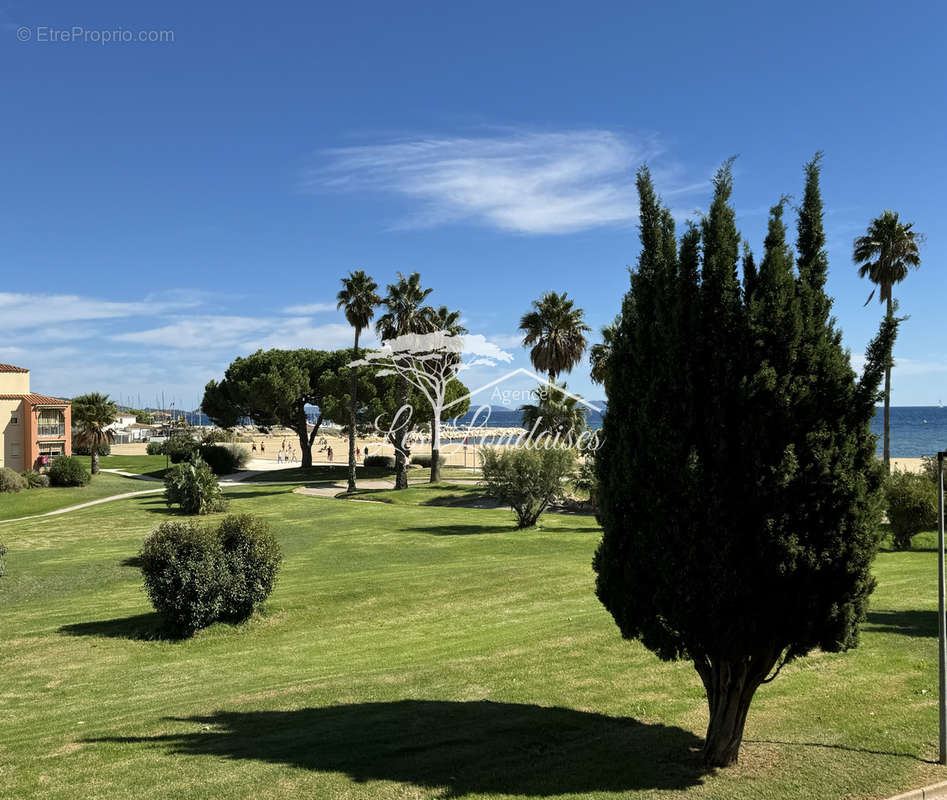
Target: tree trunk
730,688
302,431
887,412
435,448
95,460
401,433
352,407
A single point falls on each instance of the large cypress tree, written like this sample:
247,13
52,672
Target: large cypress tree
739,494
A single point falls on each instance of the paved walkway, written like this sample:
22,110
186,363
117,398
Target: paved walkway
108,499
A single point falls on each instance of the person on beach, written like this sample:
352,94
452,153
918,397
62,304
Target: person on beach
329,453
253,449
279,457
262,448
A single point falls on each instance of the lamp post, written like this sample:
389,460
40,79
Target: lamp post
941,618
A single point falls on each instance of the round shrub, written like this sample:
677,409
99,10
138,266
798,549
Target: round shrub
425,459
180,446
68,471
35,480
253,558
912,506
155,448
385,462
224,459
184,569
11,481
193,486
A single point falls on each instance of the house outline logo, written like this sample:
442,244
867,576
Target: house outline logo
529,373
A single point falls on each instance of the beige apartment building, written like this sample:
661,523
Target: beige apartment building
34,428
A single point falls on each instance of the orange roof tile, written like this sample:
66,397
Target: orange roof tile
36,399
11,368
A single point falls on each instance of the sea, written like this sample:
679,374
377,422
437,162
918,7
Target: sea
915,430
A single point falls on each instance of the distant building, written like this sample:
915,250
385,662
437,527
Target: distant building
139,432
123,420
33,428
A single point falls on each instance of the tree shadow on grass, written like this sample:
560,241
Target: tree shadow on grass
146,627
908,623
275,489
462,530
474,747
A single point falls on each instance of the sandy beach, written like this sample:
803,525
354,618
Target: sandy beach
454,452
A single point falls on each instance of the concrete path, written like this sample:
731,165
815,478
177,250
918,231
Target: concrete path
134,475
225,480
66,510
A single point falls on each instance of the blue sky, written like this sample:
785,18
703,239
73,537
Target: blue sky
169,205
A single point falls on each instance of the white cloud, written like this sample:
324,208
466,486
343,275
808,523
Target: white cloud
311,308
513,341
19,310
536,183
476,344
246,334
210,332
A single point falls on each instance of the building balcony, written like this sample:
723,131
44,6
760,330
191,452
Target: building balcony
50,431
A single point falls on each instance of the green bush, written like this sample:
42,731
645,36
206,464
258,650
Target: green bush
155,448
185,574
193,486
180,446
68,471
11,481
224,436
912,506
425,459
80,448
35,480
385,462
196,575
527,480
586,480
224,459
253,558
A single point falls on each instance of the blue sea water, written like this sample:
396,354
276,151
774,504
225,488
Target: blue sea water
915,430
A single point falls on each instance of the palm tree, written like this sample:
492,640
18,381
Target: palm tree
404,314
92,414
359,299
555,330
884,254
555,411
601,352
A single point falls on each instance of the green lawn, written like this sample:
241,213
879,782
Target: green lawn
153,466
414,651
39,501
